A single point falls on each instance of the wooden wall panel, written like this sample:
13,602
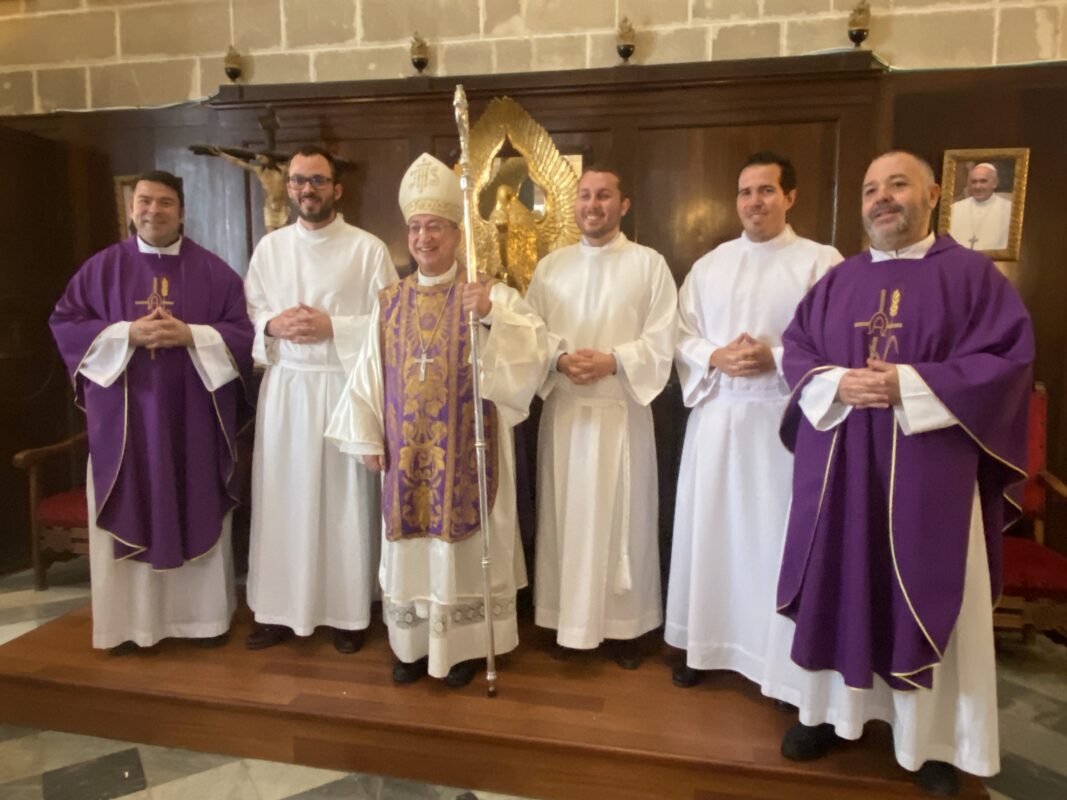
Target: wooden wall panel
684,199
35,244
1011,108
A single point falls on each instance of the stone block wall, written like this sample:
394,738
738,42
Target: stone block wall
82,54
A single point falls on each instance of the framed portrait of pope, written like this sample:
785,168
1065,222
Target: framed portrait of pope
983,195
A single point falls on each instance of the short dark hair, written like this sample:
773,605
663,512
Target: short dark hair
316,150
167,179
610,170
788,177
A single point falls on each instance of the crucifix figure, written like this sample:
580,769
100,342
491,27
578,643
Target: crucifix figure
423,361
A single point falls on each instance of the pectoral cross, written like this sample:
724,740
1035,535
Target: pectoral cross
974,241
158,299
423,361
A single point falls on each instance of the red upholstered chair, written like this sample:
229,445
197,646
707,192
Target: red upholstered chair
1035,577
59,519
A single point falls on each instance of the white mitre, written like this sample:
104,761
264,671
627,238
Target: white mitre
429,187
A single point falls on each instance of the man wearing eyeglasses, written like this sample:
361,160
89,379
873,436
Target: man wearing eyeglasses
314,539
408,411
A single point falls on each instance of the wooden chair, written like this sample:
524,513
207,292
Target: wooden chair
1035,577
59,520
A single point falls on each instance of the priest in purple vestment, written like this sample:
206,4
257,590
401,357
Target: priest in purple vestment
157,341
910,366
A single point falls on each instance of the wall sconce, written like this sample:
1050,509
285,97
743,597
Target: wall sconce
859,23
625,40
420,52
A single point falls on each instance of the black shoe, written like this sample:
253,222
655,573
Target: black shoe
265,636
405,672
626,653
685,677
782,705
210,642
347,642
808,742
124,649
939,778
461,674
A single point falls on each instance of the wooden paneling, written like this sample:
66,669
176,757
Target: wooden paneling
1011,108
35,245
691,172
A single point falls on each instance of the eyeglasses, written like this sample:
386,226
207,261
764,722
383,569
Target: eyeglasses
300,181
432,229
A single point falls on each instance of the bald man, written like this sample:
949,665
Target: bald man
981,220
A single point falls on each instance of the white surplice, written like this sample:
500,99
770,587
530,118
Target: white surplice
432,591
735,476
981,225
314,531
598,573
955,721
131,600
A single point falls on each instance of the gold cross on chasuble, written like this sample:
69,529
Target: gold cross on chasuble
158,299
880,325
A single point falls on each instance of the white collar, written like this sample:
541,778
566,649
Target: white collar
170,250
325,232
912,251
447,276
783,239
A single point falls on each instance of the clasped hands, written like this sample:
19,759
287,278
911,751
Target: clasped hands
875,386
586,366
301,324
744,357
159,329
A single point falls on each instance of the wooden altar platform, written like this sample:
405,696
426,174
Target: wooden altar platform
559,730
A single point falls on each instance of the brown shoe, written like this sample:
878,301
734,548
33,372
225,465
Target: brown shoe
347,642
125,649
265,636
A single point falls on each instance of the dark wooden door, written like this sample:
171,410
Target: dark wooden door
36,251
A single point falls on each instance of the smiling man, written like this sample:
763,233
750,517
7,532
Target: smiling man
610,306
314,540
408,411
910,366
155,336
981,220
733,482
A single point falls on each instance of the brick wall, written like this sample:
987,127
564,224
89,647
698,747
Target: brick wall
77,54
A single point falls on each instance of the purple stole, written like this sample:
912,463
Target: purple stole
875,553
430,488
163,448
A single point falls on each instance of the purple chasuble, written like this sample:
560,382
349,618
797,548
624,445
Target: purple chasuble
876,548
163,447
430,487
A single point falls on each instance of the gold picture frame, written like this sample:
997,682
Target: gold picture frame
123,195
975,216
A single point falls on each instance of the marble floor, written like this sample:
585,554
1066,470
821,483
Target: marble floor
49,765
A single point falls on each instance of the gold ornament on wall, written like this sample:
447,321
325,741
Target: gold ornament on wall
859,23
420,52
524,204
625,40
